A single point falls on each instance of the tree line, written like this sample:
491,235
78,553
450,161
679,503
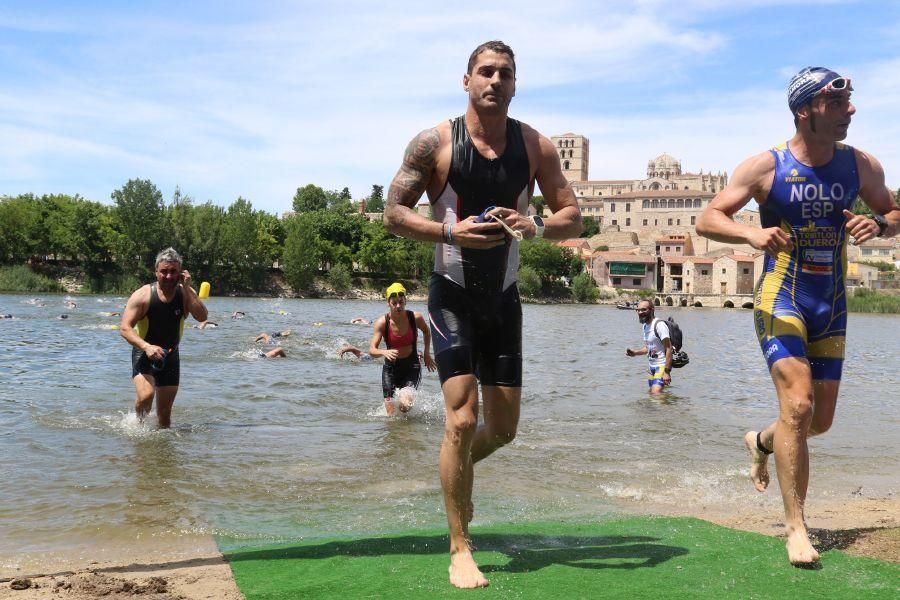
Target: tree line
236,248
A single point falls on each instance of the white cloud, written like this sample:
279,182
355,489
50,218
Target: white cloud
259,106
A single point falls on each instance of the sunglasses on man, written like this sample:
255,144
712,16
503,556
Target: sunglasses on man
838,85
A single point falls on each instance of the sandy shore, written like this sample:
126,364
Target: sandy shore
859,526
145,575
862,526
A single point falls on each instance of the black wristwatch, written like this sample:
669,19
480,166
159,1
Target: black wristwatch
538,226
882,224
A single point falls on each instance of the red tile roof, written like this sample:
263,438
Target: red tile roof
574,243
740,257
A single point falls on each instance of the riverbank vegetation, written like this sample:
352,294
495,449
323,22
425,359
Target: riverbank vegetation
22,279
871,301
327,242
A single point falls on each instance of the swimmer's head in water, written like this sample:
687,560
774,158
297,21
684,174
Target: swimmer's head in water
395,289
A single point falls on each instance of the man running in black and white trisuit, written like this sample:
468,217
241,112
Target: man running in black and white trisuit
466,165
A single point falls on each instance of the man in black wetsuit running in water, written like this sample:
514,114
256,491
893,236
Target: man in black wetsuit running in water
152,323
479,160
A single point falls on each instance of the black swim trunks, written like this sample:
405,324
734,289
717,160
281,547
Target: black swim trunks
475,333
162,326
401,373
165,372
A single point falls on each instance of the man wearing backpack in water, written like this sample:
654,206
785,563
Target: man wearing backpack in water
657,345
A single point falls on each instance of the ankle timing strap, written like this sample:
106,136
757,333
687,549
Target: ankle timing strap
759,445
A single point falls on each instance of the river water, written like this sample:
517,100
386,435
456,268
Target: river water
272,450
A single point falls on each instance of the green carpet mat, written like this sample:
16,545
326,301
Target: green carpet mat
650,557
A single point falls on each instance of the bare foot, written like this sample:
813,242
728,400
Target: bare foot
800,549
405,404
464,572
759,467
389,407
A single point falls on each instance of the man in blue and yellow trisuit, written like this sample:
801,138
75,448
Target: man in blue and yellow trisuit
152,323
804,188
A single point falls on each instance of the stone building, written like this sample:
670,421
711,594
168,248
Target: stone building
574,155
666,200
862,275
687,274
624,270
698,275
734,274
877,250
579,247
614,239
674,245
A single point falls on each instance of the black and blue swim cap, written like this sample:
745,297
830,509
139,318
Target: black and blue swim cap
807,83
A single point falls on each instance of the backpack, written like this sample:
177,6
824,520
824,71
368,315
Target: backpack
679,356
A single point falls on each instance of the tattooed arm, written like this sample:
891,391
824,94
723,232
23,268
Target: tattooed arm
425,167
409,184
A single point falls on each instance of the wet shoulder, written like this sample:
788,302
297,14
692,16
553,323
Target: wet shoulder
141,296
537,145
757,173
442,158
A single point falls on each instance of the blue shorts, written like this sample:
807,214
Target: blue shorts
791,321
654,376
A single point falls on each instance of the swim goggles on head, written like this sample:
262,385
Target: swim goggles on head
812,81
841,84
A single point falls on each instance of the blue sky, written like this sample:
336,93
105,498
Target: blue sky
255,99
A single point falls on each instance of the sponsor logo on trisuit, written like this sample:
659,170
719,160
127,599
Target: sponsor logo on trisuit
794,177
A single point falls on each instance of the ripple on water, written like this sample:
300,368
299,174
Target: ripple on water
302,446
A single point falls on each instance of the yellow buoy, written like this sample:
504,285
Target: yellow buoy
204,290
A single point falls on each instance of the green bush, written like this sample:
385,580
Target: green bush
22,279
608,292
880,265
339,278
870,301
641,293
584,289
529,282
113,284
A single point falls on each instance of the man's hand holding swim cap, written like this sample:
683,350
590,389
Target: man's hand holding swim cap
469,233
